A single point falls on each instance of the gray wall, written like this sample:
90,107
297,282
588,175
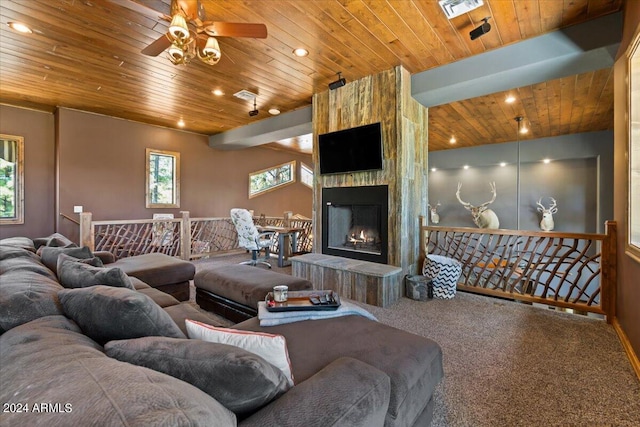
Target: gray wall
579,177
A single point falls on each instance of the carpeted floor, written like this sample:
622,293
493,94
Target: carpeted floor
512,364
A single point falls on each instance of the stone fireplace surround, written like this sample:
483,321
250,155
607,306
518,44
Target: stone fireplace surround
385,98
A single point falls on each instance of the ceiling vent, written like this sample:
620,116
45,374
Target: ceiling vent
246,95
453,8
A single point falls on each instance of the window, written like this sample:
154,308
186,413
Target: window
268,179
163,179
306,175
11,179
634,150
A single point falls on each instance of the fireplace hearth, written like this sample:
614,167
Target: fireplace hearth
354,222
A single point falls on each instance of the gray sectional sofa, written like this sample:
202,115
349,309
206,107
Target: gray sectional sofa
119,355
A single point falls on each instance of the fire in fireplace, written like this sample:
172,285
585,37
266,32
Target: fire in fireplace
354,222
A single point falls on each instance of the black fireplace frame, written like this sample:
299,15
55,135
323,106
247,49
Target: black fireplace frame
357,196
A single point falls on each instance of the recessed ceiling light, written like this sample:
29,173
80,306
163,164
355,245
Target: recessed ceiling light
453,140
19,27
300,51
546,161
217,92
466,166
181,123
274,111
510,99
503,164
433,169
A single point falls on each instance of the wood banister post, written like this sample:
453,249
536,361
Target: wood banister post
287,218
422,253
609,270
87,237
185,236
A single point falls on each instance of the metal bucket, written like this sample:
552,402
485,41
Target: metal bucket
418,287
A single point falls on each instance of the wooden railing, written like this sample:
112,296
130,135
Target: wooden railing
185,237
568,270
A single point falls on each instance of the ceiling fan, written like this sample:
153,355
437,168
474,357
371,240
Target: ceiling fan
190,34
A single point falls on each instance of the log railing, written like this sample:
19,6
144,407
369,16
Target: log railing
185,237
568,270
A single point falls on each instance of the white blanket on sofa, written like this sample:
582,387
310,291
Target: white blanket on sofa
269,318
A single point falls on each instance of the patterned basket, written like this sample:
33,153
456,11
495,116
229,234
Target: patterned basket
444,273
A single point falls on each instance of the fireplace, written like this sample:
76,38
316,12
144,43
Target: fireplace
354,222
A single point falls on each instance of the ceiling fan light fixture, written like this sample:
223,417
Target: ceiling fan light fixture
177,55
211,53
178,28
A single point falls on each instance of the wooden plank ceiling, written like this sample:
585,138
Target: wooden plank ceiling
85,54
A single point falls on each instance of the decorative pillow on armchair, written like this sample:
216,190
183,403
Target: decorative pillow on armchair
106,313
271,347
82,273
240,380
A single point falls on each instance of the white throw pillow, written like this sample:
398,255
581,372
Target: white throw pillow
271,347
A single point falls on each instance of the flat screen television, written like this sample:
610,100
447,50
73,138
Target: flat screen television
351,150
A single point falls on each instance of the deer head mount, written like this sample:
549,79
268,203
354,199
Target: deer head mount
483,217
547,224
433,213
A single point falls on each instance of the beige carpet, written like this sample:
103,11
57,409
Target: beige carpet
511,364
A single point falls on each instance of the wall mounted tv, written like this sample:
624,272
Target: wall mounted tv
351,150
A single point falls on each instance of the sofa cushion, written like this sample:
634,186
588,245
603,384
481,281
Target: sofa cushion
240,380
346,392
106,313
413,363
159,297
49,360
79,273
49,255
19,242
157,269
14,258
273,348
11,251
179,313
26,295
53,240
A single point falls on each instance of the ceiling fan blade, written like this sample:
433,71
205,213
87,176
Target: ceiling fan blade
157,47
229,29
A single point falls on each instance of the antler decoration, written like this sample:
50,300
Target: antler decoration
482,216
494,194
465,204
547,223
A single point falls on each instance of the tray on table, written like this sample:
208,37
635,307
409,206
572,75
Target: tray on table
299,301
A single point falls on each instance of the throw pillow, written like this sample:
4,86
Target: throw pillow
55,240
49,255
271,347
240,380
82,273
93,261
105,313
